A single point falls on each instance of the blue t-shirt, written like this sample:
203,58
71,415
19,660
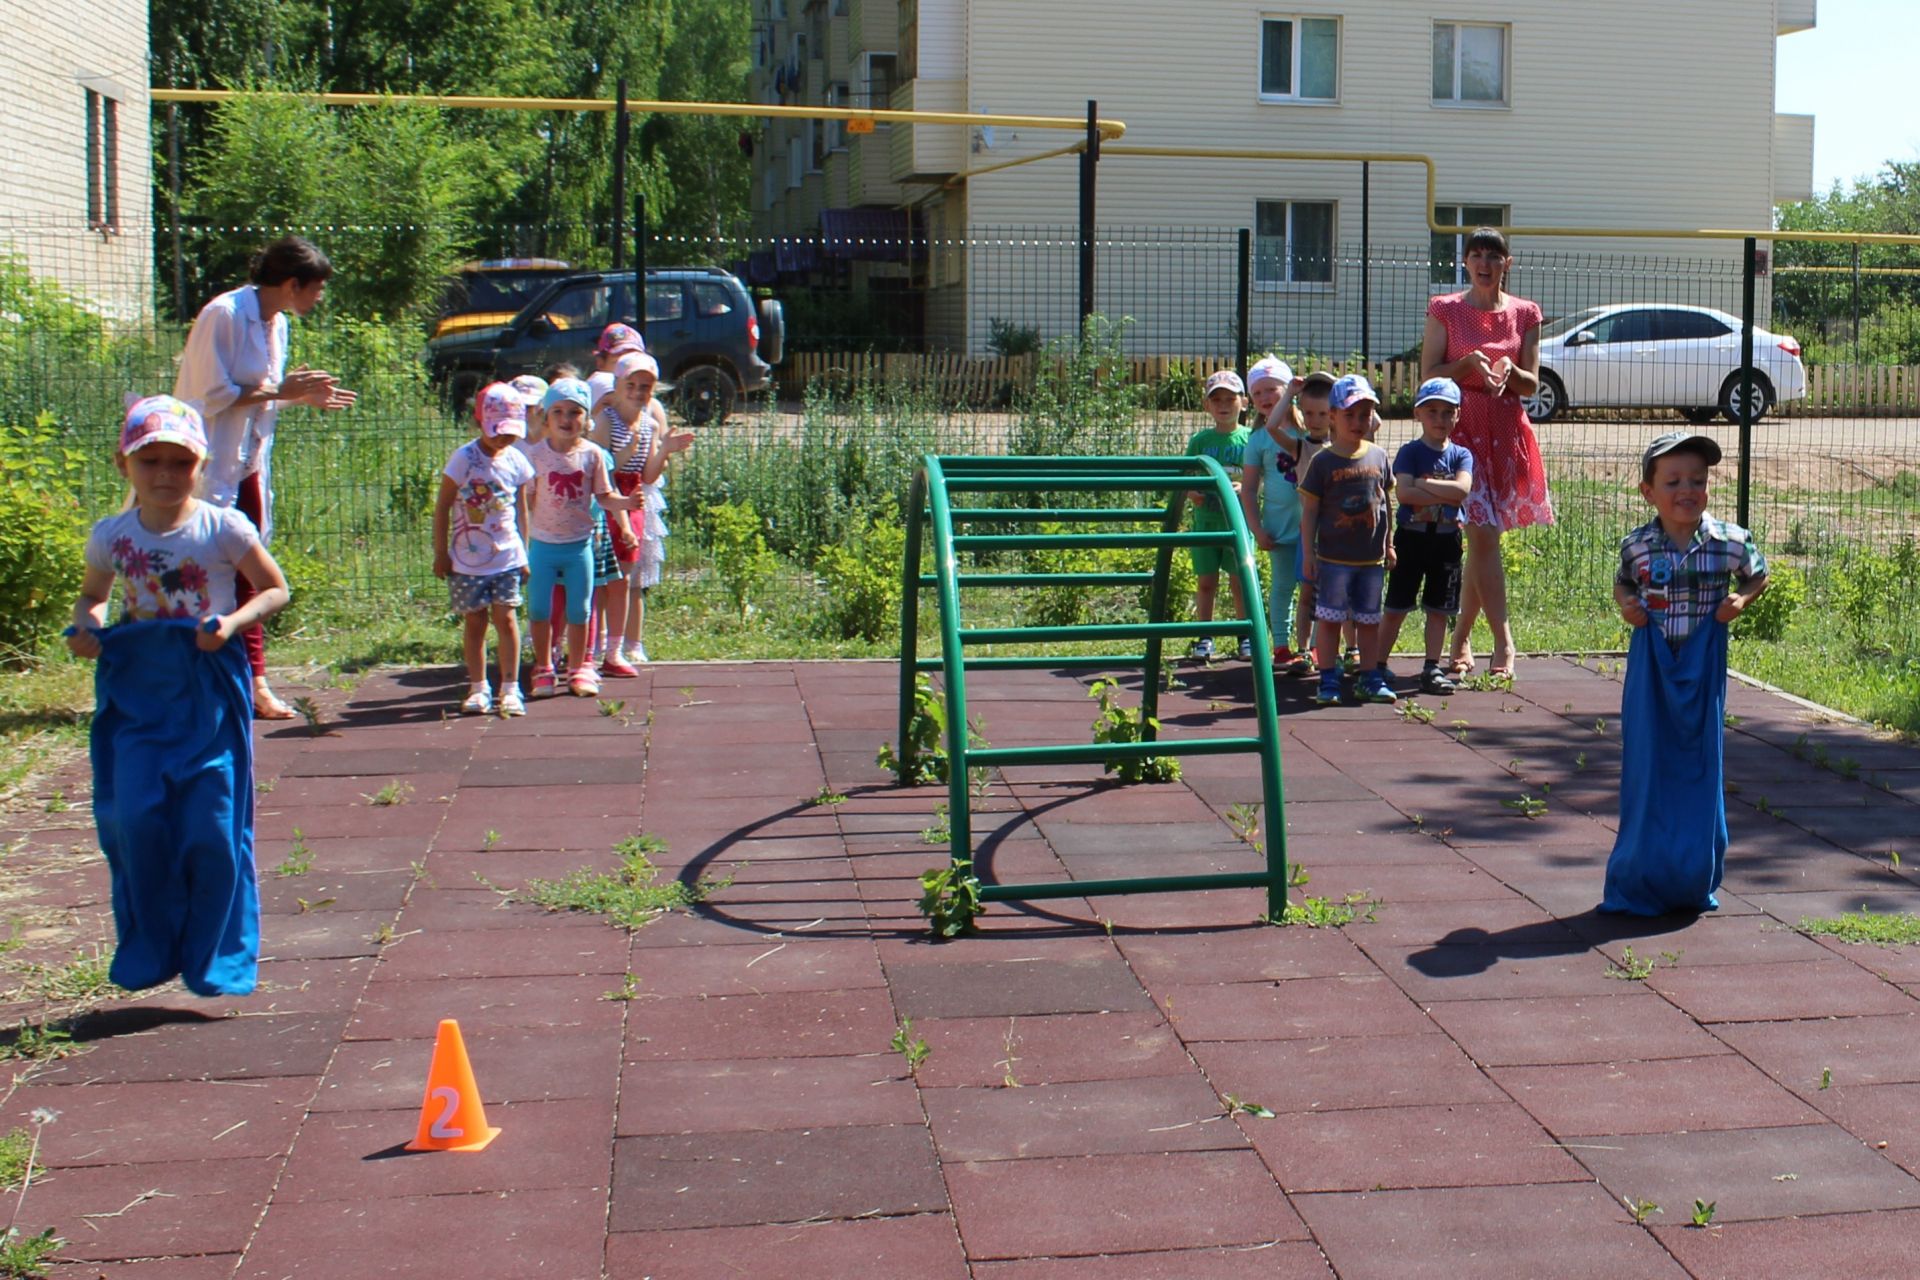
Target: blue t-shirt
1422,461
1279,481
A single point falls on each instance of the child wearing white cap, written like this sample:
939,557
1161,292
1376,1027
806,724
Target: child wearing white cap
1270,496
1224,441
477,544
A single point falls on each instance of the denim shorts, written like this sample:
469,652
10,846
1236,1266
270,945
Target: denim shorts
476,593
1348,591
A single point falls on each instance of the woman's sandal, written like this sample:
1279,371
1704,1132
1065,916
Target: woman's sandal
1459,668
267,705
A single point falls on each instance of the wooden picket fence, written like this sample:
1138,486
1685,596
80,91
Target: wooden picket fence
1861,389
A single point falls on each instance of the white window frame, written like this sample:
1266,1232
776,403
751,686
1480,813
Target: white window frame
838,95
1456,102
797,158
1459,280
1289,285
811,142
1295,98
866,80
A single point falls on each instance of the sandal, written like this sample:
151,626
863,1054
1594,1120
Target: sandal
1459,667
543,682
584,682
267,704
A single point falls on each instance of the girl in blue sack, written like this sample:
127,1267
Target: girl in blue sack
172,742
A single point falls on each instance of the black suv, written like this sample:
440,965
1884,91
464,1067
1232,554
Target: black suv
713,343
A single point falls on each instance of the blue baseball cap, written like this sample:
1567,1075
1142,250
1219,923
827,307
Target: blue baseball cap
1351,390
1437,389
568,389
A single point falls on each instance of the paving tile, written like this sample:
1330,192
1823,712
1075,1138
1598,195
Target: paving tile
1708,941
779,1025
218,1266
1247,954
1090,980
1095,1117
710,1096
612,768
179,1122
150,1210
1632,1026
1437,973
376,762
1292,1260
1297,1009
1350,1071
1741,1171
322,933
1670,1095
1875,1050
1456,1145
143,1044
924,1246
1861,1246
1117,1204
509,1065
1884,1116
1049,1048
739,1179
1775,992
410,1010
350,891
1498,923
536,949
558,1233
1572,1231
360,1155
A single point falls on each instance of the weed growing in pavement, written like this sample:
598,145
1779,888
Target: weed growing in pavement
1242,1107
950,898
1115,724
1488,682
265,786
383,935
395,792
611,707
1459,730
941,832
490,839
1413,713
909,1046
37,1042
1245,821
1325,913
299,859
57,802
629,989
1640,1209
1631,968
1703,1211
1893,859
1826,1078
315,905
17,1151
926,743
26,1256
827,795
1007,1078
628,898
1527,806
1886,928
1600,726
311,712
80,979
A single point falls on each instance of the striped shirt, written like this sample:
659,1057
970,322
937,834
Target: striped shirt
1681,587
619,432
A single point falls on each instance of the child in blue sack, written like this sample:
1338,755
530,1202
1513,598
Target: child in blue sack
172,737
1684,576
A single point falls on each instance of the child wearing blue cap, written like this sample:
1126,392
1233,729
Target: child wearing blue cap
1344,549
1431,477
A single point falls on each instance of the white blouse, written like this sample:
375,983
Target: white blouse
229,351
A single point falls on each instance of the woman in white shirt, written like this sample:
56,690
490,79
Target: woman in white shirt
234,370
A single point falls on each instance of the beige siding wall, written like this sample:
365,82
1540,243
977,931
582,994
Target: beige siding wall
1792,158
52,57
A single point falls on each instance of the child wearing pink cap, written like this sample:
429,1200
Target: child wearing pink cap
630,423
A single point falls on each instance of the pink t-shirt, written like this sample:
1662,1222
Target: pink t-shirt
564,487
181,573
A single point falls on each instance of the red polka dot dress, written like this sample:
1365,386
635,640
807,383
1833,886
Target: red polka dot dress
1509,480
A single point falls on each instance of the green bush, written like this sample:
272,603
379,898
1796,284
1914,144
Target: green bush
42,536
740,553
1875,595
1768,617
312,583
861,578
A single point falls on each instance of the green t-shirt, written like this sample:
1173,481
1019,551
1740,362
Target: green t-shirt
1225,448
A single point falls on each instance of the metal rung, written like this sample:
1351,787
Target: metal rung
1059,515
1120,480
974,464
1041,541
1104,631
1141,579
1145,884
1076,662
1101,752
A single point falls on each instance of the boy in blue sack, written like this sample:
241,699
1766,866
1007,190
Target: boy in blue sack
1431,477
1684,576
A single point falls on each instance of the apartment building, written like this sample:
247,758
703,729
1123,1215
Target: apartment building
74,175
1633,114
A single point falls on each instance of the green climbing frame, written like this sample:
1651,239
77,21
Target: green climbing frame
931,505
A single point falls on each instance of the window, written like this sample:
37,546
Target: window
1626,326
1299,59
1448,262
799,152
777,10
586,307
1292,243
711,299
103,162
814,142
877,92
836,130
1470,63
839,9
664,302
1685,326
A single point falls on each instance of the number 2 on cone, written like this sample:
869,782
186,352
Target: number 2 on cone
450,1097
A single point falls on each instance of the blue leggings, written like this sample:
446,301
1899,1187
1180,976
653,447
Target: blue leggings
563,564
1284,561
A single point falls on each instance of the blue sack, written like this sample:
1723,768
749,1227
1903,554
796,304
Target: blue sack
172,751
1672,844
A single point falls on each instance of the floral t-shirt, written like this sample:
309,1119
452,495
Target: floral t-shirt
485,535
565,485
183,573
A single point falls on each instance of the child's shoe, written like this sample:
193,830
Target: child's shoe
1300,664
1374,688
1328,694
584,682
616,668
1350,661
510,702
637,654
479,702
1246,649
543,682
1434,680
1202,649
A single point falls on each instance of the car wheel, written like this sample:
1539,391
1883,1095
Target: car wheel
706,394
1730,396
1700,416
1545,404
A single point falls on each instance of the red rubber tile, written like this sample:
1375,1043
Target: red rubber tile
335,792
433,1237
151,1210
217,1266
1454,880
462,906
410,1010
1364,1071
782,964
1248,954
1498,923
740,1179
765,1093
1630,1027
1464,1145
139,1044
177,1122
924,1246
1144,1115
1494,972
1088,981
1861,1246
1883,1116
1774,992
1857,1050
349,891
784,1025
1117,1204
1572,1231
1742,940
509,1065
534,950
1049,1049
1293,1260
1298,1009
1744,1171
1672,1095
323,932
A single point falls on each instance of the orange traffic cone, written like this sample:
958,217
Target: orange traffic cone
451,1117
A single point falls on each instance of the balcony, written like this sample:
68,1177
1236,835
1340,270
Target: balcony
928,152
1797,15
1792,158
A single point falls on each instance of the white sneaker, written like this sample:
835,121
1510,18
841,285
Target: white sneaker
478,703
637,654
510,703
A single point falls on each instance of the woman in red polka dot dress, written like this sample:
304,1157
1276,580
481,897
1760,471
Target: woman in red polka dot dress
1489,342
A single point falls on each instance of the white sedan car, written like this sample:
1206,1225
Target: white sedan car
1639,355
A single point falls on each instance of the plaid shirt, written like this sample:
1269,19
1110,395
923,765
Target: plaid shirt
1681,588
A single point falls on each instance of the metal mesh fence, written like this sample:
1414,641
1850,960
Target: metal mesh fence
894,346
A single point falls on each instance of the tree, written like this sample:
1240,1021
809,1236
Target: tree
1821,303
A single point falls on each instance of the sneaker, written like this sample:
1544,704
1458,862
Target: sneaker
1374,688
1246,649
543,682
616,668
1202,649
1328,694
1434,680
1350,661
478,703
584,682
1300,664
510,702
637,654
